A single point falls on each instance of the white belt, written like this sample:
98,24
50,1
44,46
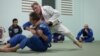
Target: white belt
56,22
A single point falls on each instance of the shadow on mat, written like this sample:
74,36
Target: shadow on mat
27,51
49,50
62,50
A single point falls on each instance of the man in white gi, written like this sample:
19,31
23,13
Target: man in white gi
50,15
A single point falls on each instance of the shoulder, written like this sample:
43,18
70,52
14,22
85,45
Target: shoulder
82,29
11,27
43,25
47,7
19,26
90,29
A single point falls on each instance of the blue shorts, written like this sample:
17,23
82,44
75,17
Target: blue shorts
34,43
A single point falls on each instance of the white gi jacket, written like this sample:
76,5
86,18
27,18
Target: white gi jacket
52,15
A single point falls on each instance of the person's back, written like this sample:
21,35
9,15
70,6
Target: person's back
42,35
46,30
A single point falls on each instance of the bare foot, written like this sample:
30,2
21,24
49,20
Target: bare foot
7,50
79,44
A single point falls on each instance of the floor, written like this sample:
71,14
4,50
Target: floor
67,48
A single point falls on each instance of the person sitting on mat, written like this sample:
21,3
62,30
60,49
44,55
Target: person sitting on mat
87,34
40,41
14,29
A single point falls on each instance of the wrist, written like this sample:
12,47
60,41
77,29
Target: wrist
50,23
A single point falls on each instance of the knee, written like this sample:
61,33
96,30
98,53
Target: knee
67,33
20,36
77,38
34,37
89,40
92,39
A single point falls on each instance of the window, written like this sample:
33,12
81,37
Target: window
49,2
26,5
66,7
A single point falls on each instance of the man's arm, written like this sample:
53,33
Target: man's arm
20,30
79,34
40,33
54,13
10,30
27,25
90,33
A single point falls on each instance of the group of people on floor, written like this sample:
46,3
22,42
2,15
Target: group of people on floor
42,21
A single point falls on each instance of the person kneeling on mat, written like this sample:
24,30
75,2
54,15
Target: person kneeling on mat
58,37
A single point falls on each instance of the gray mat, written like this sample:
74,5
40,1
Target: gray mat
67,48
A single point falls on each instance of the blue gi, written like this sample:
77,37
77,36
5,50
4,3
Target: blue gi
87,37
27,24
58,37
35,43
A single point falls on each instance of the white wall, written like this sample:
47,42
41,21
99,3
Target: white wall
10,9
73,23
92,15
84,11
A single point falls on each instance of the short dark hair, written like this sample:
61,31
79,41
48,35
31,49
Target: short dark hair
15,19
34,16
35,3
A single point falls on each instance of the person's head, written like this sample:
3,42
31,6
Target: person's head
86,26
15,22
34,18
36,8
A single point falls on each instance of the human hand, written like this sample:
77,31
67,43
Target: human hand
49,23
33,31
86,30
